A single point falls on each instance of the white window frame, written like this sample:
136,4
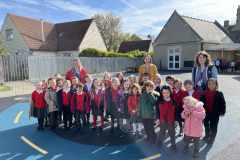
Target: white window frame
9,34
174,54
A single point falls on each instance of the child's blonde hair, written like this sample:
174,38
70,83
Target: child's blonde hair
159,77
177,81
188,82
39,82
120,74
57,74
133,77
67,81
135,85
109,74
190,98
115,79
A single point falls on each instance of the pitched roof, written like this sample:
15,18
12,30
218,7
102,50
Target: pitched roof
208,31
142,37
31,31
134,45
72,33
236,34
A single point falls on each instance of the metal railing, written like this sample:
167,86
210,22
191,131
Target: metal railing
19,73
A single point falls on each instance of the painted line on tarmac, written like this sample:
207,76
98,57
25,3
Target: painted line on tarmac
152,157
16,119
237,115
33,145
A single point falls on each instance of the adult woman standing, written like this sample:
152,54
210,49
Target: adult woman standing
202,71
76,71
147,67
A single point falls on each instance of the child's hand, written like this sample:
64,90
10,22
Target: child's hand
134,111
158,121
119,110
186,113
176,123
221,115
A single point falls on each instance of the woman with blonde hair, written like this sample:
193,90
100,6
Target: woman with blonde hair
76,71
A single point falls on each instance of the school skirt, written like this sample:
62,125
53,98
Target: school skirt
179,112
135,119
40,112
97,112
114,112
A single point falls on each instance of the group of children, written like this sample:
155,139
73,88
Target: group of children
168,105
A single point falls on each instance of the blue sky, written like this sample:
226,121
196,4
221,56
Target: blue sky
138,15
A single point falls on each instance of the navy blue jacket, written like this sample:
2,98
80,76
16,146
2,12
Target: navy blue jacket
60,99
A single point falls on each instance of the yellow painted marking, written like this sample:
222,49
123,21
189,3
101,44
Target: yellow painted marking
152,157
237,115
19,114
203,132
33,145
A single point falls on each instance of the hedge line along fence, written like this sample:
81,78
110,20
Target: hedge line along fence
92,52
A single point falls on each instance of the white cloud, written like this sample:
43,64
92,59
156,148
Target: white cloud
16,6
50,7
28,1
142,15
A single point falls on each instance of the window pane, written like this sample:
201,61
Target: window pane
177,58
171,50
170,65
177,50
170,58
176,65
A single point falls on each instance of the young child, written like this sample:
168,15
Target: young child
193,113
86,89
45,84
120,77
167,116
121,104
215,106
39,109
157,80
177,96
188,84
79,106
57,76
147,110
98,105
145,77
75,81
107,79
64,103
110,94
51,99
59,87
132,104
170,79
132,79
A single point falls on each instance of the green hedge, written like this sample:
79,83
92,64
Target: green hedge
92,52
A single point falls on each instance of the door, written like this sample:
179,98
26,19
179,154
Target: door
174,58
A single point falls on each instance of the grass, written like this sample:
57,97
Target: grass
4,88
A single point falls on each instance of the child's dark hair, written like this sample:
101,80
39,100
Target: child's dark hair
177,81
145,75
169,77
87,76
51,79
135,85
148,83
59,80
122,88
79,85
93,87
74,78
188,82
165,87
120,74
213,80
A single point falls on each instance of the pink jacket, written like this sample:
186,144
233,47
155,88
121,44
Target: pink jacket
193,122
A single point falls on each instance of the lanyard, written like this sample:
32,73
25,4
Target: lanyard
148,69
202,74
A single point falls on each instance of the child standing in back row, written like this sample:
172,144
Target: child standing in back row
157,80
86,89
170,79
215,106
132,79
39,111
193,113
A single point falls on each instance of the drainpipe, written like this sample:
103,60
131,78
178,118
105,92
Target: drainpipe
43,42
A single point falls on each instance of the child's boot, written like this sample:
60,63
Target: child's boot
174,148
185,149
196,153
211,140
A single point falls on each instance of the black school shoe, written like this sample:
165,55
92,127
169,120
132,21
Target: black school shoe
100,128
94,128
196,153
211,140
206,138
174,148
185,149
106,119
41,129
159,144
38,128
46,124
180,134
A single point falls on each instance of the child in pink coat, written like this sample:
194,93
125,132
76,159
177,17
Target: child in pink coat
193,113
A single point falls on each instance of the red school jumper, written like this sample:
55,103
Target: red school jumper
38,99
177,96
185,94
96,104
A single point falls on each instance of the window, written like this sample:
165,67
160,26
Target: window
9,34
66,54
174,58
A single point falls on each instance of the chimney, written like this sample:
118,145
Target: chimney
43,42
238,16
226,24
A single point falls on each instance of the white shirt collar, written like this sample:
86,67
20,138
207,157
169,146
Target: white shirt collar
167,99
88,85
65,90
39,91
157,85
125,92
74,87
96,90
176,91
79,93
191,93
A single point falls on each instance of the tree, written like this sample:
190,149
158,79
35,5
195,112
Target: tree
2,49
110,27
